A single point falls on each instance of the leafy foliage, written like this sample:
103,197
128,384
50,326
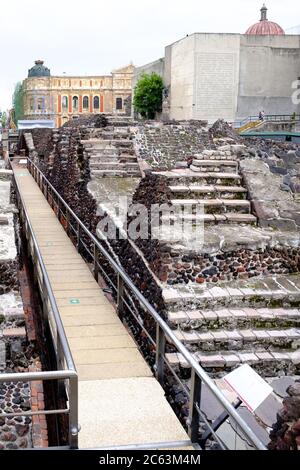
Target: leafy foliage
148,95
18,102
3,119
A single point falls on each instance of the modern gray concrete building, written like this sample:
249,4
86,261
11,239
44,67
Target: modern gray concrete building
210,76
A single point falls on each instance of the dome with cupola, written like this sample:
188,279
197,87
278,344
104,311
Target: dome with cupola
265,27
39,70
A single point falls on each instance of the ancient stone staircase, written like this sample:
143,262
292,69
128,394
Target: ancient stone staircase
257,323
213,182
112,153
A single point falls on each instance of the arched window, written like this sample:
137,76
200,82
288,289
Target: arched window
119,103
65,103
41,103
75,103
85,102
96,102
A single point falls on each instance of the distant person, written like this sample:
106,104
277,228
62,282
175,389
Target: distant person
260,116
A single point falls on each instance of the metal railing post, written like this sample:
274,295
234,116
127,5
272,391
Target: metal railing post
58,209
73,414
78,236
160,352
120,297
96,262
68,222
195,399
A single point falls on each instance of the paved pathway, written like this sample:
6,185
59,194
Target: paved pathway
120,402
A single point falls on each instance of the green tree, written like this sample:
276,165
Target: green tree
3,119
18,102
148,95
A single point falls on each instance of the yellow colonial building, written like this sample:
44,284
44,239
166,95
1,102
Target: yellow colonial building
60,98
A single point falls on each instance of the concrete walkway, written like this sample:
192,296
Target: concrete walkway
120,402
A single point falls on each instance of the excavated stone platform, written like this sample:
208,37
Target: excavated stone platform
255,322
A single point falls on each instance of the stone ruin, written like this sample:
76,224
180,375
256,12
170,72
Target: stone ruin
234,298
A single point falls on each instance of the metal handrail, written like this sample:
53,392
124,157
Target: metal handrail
163,330
268,117
64,352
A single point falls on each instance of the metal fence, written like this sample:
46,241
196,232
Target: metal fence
66,371
268,118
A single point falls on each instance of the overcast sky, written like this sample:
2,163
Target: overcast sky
95,36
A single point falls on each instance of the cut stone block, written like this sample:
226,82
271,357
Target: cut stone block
231,360
211,361
20,332
248,358
177,317
205,337
248,335
264,356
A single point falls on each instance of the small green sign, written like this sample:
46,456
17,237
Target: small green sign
74,301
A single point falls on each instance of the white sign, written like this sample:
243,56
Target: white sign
249,386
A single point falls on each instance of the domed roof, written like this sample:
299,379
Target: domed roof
39,70
265,27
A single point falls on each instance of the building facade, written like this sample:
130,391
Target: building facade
230,76
61,98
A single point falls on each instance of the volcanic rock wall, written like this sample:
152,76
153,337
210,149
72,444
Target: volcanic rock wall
164,144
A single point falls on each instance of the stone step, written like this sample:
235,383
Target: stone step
203,189
113,165
102,152
231,318
13,313
222,205
19,332
127,157
230,297
267,363
225,218
240,218
119,173
256,339
208,163
214,165
207,178
98,158
107,143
